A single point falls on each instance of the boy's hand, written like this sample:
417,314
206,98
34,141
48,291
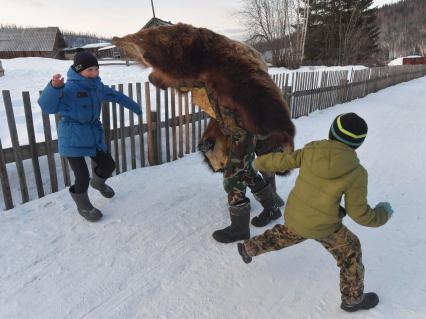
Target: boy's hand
57,81
387,207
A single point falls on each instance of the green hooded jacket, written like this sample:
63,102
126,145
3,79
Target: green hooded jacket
328,170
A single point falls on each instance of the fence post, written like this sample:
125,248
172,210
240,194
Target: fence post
7,194
32,142
115,134
174,136
122,135
158,144
193,149
64,164
140,123
132,131
187,136
106,124
154,118
180,150
167,123
150,138
15,143
344,90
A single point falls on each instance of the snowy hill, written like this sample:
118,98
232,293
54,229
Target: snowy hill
152,256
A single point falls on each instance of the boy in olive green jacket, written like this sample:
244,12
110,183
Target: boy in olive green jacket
329,169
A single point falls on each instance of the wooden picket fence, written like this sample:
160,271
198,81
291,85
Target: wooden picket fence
166,138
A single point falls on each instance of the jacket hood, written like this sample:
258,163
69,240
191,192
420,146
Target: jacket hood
74,76
329,159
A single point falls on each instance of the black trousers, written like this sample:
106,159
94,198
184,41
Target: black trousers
104,169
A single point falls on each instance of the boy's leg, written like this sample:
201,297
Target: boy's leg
102,166
81,174
346,249
78,191
278,237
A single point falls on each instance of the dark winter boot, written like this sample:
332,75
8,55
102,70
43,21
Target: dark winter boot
85,208
243,253
369,300
266,197
98,183
240,225
270,178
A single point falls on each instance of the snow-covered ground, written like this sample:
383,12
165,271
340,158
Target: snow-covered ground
152,256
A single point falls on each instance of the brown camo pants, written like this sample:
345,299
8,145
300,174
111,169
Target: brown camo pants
343,245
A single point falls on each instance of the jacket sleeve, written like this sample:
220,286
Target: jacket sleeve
50,99
118,97
357,207
278,162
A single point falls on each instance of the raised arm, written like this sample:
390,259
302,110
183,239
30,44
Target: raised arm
118,97
278,162
50,99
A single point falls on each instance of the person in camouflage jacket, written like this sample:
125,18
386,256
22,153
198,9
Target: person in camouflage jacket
238,174
329,169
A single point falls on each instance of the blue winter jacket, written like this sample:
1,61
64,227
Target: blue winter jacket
79,103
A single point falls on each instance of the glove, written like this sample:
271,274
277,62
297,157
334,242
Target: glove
387,207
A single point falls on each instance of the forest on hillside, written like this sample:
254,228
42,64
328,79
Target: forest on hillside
403,28
335,32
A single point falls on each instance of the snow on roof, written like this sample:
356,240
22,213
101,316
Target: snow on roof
107,48
399,61
96,45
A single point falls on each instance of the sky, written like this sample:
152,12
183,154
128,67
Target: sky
118,18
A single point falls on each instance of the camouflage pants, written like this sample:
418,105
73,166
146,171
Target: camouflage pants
238,173
343,245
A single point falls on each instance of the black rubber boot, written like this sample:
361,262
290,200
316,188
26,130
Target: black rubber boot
243,253
240,225
98,183
369,300
84,207
270,178
266,197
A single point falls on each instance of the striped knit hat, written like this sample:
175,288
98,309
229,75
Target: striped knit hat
348,128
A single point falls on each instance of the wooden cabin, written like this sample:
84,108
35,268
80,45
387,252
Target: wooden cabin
31,42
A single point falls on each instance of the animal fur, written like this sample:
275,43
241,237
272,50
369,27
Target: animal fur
233,75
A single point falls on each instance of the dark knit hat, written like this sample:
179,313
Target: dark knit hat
348,128
84,60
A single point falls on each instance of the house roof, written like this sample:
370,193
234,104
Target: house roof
155,22
28,39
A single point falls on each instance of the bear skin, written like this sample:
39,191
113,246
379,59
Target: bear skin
233,75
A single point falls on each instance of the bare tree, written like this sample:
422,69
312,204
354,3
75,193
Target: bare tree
350,37
305,18
279,24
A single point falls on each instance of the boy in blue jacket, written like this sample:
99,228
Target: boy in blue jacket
80,131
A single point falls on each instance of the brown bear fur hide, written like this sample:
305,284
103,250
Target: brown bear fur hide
233,74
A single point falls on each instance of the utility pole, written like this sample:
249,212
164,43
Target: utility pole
153,11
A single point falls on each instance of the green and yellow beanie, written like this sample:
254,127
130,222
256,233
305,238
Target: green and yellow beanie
348,128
